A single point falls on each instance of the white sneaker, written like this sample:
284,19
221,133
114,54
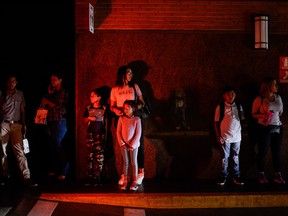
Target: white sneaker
121,180
134,186
140,178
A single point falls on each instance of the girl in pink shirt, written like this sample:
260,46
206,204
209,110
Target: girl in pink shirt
128,135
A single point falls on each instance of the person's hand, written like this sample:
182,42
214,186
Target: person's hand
92,118
124,146
220,140
118,111
45,102
140,105
50,89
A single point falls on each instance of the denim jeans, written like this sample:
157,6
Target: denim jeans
230,150
59,162
132,155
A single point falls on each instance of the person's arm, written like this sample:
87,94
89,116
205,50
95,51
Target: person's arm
58,101
137,135
120,139
217,128
86,116
141,102
217,125
281,102
47,102
218,133
113,104
140,99
118,111
256,109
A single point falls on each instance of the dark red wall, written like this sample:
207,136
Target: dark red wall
201,62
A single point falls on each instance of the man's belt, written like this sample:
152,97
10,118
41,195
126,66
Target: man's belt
12,122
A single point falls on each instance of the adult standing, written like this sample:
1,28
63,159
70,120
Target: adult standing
267,109
13,128
124,90
56,102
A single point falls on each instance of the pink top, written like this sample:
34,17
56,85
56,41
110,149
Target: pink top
129,131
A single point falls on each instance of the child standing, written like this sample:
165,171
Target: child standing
227,127
128,136
95,117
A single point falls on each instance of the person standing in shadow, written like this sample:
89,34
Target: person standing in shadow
128,135
56,102
267,108
124,90
96,118
13,127
227,125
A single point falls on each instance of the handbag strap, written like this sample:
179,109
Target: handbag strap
135,95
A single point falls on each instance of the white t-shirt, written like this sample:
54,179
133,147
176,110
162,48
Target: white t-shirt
261,105
230,127
120,94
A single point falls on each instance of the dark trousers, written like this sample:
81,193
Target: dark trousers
267,139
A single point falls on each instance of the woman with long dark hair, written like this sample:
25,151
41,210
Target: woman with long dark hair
124,90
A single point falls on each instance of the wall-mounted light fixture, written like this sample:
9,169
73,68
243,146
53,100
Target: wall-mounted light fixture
261,32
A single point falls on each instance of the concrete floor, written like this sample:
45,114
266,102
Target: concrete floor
154,197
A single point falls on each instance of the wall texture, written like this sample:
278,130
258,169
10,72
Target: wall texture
199,46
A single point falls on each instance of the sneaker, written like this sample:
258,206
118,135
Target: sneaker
61,177
124,185
262,178
134,186
222,181
121,180
140,178
237,180
278,178
30,183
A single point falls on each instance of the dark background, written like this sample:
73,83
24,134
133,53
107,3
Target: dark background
37,39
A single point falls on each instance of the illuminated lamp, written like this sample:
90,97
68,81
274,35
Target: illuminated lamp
261,32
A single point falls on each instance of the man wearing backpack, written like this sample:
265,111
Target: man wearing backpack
227,126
